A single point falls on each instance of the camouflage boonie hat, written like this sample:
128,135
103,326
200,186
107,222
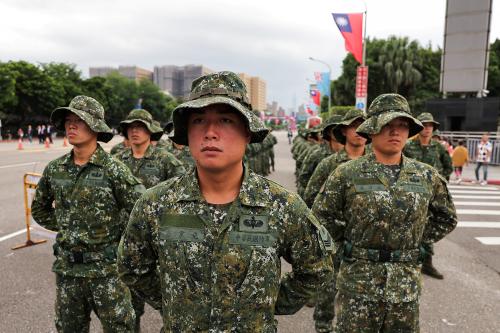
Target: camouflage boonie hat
330,123
217,88
351,116
383,110
87,109
144,117
426,117
436,133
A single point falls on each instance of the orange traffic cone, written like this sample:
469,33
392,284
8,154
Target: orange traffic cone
65,142
20,144
47,145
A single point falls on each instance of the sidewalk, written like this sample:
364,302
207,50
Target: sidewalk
11,145
468,175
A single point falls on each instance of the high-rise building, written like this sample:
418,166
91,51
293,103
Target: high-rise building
132,72
177,80
256,88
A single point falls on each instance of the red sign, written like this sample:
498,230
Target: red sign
362,81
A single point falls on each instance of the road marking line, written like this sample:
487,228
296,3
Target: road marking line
467,192
492,197
471,224
477,212
17,165
14,234
489,240
473,187
477,203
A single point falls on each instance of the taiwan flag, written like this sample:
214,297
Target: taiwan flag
315,96
351,28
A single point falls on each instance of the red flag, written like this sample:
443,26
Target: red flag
315,96
351,28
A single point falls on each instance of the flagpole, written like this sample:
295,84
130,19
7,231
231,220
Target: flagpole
364,35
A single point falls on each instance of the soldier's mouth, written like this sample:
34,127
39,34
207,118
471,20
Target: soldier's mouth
211,148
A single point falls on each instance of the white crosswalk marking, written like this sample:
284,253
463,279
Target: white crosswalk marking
478,207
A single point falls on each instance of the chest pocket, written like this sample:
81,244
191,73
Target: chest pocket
150,170
95,178
362,185
62,179
181,228
253,231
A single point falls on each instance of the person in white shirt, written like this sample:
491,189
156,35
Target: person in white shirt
483,158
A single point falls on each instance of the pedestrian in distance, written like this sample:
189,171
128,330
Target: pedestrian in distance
81,196
217,234
29,133
289,135
383,211
483,158
459,158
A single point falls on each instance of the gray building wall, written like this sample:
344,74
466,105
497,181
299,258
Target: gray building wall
177,80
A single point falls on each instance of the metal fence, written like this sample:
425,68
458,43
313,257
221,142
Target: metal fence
471,139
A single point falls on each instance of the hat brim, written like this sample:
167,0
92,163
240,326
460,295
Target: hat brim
156,132
435,124
374,124
104,133
180,134
337,131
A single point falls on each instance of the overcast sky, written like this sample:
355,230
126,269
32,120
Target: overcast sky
270,39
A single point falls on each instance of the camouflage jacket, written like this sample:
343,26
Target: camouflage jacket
184,155
321,173
434,154
118,148
86,212
310,163
223,277
373,218
155,166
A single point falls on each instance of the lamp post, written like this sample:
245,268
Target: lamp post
329,80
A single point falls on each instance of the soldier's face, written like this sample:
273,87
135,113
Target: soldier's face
137,133
77,131
217,137
427,131
392,137
351,137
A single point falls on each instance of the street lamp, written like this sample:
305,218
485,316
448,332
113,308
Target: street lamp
329,80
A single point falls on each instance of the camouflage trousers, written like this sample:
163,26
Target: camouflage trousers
324,311
138,306
108,297
359,314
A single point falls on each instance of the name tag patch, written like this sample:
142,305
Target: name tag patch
181,234
368,185
252,239
417,188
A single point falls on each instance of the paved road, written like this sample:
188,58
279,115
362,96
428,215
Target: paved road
468,300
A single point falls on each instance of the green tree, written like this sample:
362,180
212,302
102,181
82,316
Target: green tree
494,69
155,101
67,77
324,104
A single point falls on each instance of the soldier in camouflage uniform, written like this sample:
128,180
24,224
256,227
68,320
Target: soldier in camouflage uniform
159,141
326,148
424,149
80,196
313,137
217,233
148,163
383,211
354,147
272,141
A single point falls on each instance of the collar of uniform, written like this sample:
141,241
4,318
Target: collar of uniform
149,152
342,155
252,191
97,157
372,161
